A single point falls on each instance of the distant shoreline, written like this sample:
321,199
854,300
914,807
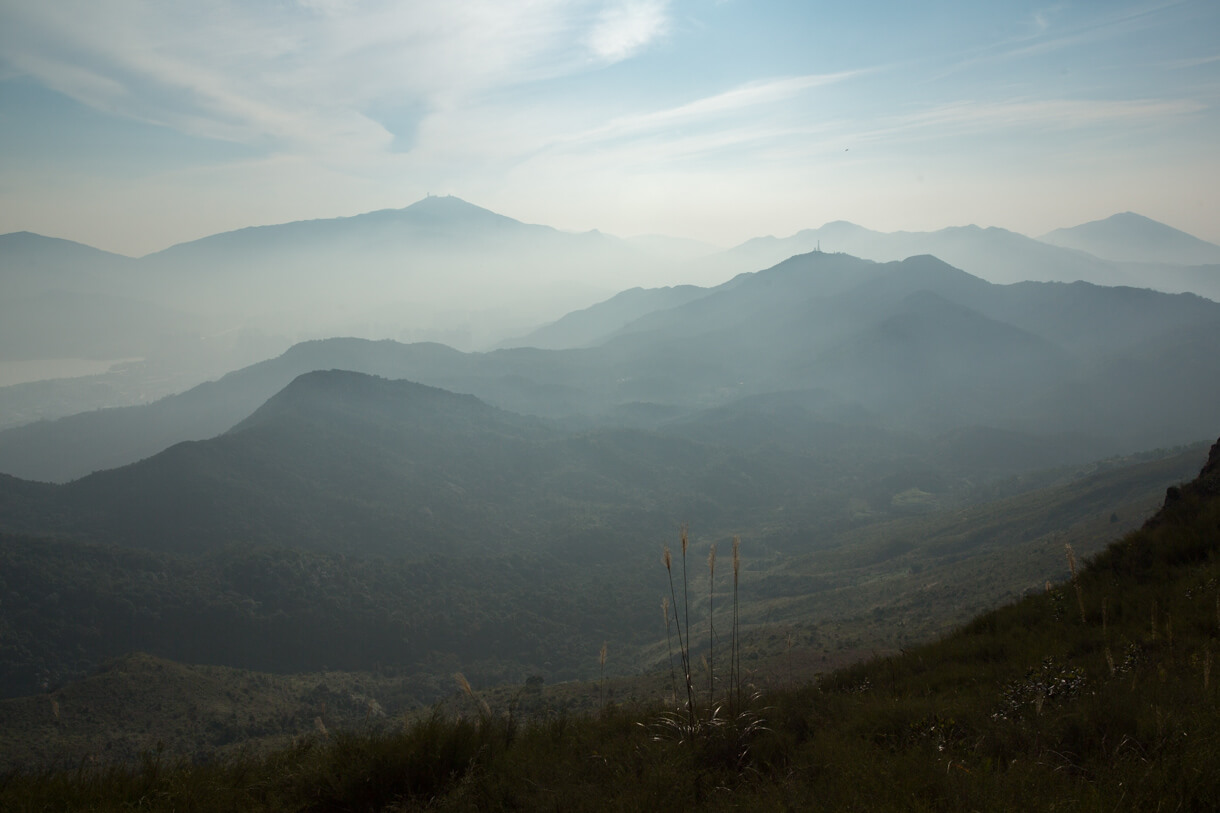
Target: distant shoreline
30,370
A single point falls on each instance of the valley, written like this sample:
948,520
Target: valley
318,542
602,405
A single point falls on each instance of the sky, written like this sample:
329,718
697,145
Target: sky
131,125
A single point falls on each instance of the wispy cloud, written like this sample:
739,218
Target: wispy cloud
1024,115
1050,30
303,76
1179,64
626,27
588,105
720,107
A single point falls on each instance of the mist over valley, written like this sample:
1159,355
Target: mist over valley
826,403
609,405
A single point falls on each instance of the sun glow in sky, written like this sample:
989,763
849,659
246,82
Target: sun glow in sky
131,125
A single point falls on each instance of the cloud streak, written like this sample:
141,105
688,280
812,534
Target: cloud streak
624,28
1050,32
303,77
727,105
605,107
1031,114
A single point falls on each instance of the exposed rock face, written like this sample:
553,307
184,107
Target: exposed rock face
1209,478
1207,484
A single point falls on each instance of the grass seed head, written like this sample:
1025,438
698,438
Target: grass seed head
465,686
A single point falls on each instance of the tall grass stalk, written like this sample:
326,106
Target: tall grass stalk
464,684
601,656
685,601
733,692
669,644
683,643
791,674
735,638
1071,557
711,627
1105,637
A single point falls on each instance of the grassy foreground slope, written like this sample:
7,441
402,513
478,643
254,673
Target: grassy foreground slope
1097,695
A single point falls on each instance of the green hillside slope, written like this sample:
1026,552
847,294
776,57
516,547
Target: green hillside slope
1097,694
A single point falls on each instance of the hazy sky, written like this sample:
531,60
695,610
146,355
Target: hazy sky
134,124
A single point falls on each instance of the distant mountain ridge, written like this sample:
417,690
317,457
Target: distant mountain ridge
1002,256
1128,237
1130,368
439,254
440,270
344,462
432,218
443,269
31,263
347,462
592,325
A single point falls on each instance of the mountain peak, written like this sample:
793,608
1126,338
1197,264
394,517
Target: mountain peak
1130,217
449,207
30,245
327,394
1131,237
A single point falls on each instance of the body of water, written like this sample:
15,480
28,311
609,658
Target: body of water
21,372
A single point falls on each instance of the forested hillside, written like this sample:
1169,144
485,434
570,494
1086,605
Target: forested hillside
1098,693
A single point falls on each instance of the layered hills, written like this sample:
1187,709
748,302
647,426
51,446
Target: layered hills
914,345
346,462
355,521
1125,250
898,439
439,270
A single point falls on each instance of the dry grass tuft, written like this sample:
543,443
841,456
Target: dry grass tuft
1071,557
464,684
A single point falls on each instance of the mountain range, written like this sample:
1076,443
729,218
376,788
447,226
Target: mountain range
1128,237
914,345
448,271
440,268
901,440
847,416
358,521
1154,256
347,462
